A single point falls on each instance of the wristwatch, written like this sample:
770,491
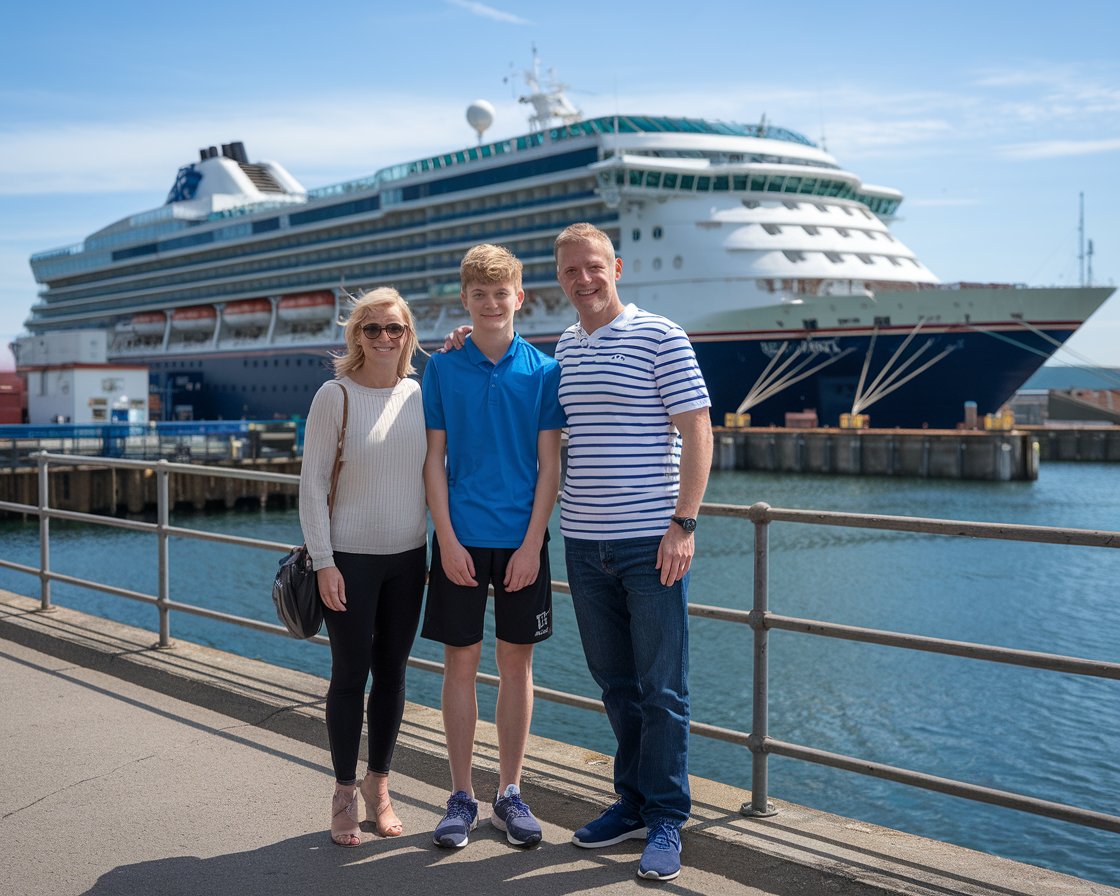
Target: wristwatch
685,522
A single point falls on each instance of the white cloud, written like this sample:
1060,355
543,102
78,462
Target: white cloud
947,202
488,12
1056,149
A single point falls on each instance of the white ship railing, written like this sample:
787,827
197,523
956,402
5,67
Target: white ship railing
760,619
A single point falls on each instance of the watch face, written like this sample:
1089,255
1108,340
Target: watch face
686,523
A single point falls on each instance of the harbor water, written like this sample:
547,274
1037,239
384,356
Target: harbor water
1043,734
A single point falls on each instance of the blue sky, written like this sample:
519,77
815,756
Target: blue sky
991,117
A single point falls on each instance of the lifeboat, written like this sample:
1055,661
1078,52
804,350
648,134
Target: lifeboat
149,323
248,314
311,307
196,319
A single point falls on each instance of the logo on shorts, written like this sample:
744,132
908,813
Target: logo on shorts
542,623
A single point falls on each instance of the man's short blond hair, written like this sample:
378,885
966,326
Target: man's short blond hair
582,233
488,263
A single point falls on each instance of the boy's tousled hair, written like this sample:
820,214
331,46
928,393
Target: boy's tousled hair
488,263
360,307
582,233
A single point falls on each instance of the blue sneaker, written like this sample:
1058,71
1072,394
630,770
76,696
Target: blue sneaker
460,820
513,816
661,859
619,822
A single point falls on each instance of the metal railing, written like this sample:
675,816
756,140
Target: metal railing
760,619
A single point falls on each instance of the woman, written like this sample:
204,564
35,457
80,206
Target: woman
370,552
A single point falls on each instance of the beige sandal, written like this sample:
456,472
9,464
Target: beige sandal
344,816
379,809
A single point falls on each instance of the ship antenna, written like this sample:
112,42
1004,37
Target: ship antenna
1081,238
547,99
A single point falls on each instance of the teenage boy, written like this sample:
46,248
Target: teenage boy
492,471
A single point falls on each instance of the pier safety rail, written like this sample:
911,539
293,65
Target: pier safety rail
760,619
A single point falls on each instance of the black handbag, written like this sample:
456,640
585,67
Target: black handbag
296,595
295,590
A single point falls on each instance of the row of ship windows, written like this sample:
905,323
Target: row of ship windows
402,220
794,206
795,256
814,230
536,254
245,362
283,387
407,263
742,183
775,229
605,125
398,243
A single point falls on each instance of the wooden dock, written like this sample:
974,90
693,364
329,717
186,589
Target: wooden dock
96,489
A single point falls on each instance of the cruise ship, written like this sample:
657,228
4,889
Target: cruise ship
778,262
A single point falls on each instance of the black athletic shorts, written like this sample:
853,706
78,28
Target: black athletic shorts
454,614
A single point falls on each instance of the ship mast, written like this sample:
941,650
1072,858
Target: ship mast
1081,239
547,98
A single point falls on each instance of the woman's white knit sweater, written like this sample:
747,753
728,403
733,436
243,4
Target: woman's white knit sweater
379,508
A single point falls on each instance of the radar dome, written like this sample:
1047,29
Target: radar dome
480,115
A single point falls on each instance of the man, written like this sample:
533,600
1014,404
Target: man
639,453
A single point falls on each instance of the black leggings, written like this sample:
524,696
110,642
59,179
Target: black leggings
383,598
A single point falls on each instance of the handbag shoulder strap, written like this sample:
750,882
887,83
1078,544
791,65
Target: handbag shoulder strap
338,448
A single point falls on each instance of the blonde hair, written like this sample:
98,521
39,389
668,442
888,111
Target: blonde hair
582,233
487,263
360,307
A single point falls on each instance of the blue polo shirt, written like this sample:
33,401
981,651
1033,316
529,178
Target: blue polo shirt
492,414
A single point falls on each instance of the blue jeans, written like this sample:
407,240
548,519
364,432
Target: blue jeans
635,637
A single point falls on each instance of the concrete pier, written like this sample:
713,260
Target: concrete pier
927,454
1095,444
132,771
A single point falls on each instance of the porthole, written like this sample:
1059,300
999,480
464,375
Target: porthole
657,264
635,235
677,261
657,233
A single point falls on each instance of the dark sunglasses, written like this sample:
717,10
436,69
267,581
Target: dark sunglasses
393,331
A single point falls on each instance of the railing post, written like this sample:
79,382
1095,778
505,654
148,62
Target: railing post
163,518
760,806
44,534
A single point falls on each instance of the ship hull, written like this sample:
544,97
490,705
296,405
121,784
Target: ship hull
976,369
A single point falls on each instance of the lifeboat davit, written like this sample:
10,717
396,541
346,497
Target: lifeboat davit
311,307
196,319
248,314
148,323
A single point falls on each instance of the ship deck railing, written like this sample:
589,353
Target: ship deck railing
760,619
